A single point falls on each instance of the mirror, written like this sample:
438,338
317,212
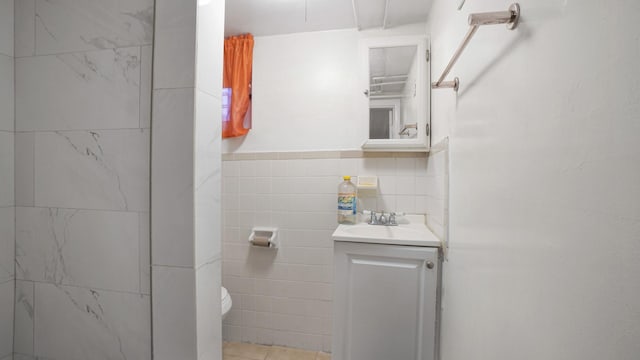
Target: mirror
397,91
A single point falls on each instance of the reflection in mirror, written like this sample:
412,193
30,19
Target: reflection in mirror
392,92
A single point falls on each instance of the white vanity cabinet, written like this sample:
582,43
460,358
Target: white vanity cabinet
386,302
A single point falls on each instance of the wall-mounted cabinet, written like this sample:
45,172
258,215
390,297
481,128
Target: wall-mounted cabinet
395,79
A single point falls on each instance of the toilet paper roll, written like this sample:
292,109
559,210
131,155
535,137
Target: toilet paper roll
260,241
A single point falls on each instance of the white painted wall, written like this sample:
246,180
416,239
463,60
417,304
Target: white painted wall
545,181
307,92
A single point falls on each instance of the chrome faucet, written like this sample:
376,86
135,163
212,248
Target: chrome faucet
381,219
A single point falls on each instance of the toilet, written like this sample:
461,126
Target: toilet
226,302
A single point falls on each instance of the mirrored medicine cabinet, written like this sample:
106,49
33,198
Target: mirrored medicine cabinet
395,80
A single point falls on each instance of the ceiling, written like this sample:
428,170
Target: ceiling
271,17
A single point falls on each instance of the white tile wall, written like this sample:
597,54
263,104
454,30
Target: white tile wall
186,195
6,93
83,79
6,317
107,81
109,330
7,199
6,169
175,44
284,297
6,30
95,169
25,18
87,248
434,184
172,174
24,317
7,220
71,26
174,313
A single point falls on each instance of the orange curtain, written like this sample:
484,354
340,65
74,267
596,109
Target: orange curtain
238,59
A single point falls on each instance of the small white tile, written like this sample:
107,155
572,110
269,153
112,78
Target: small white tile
308,256
246,203
263,185
421,166
236,251
231,333
406,204
387,203
262,203
246,185
322,167
386,166
230,185
297,167
422,184
279,168
246,168
387,185
349,167
405,185
263,168
405,166
230,168
421,204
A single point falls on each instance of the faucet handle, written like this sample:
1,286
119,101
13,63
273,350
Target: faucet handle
382,220
372,220
392,219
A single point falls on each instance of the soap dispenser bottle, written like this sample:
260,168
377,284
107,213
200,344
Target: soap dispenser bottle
346,201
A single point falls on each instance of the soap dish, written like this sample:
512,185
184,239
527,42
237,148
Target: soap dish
367,182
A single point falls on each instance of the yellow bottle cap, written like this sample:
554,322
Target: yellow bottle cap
346,177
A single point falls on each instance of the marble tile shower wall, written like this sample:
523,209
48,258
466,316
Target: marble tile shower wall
7,210
284,297
82,148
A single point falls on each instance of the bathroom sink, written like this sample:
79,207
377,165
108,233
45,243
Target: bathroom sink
412,232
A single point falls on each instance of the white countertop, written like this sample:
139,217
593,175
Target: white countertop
411,231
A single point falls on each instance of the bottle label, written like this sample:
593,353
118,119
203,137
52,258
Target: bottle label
347,203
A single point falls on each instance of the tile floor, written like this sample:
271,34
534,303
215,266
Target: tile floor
242,351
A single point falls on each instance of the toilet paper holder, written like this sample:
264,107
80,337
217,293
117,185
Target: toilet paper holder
264,237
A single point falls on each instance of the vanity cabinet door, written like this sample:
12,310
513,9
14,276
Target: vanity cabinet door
385,303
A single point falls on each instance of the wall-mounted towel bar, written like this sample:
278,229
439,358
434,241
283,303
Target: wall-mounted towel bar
509,17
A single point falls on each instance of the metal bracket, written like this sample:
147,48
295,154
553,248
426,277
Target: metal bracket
428,55
510,17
